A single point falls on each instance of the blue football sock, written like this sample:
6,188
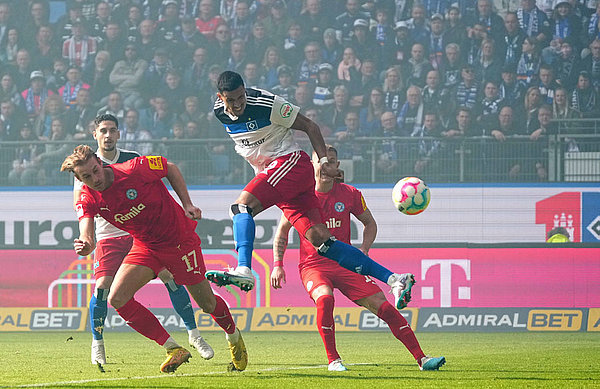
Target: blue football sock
243,234
98,312
353,259
182,304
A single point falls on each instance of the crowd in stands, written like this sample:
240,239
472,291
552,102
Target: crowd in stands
360,68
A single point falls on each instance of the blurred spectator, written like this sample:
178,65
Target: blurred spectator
489,19
331,51
565,24
360,85
64,24
121,11
5,23
584,98
312,113
22,70
270,62
466,93
528,112
434,97
237,56
169,27
562,110
313,20
419,31
127,77
54,152
45,49
536,151
80,115
488,66
69,91
79,49
307,72
487,109
471,48
97,76
349,68
36,94
533,21
8,91
383,33
114,106
293,44
462,125
190,40
278,22
242,21
195,75
302,96
568,64
114,42
509,89
410,117
335,114
147,41
371,114
58,77
156,73
511,44
455,30
362,41
39,12
257,42
53,108
158,119
436,42
505,165
24,171
429,162
11,121
131,24
450,69
284,88
547,83
8,52
592,63
417,66
593,26
393,89
402,44
252,76
100,21
387,160
175,91
192,113
132,136
207,22
344,23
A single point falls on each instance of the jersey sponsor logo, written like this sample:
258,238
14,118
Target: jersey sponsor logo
333,223
363,203
246,142
339,206
286,110
155,162
79,210
133,212
131,194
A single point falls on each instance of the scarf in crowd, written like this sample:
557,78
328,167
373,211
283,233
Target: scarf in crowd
466,96
418,118
526,68
490,107
561,29
511,46
509,93
593,26
189,8
78,57
595,71
583,101
427,147
70,93
380,33
436,6
31,105
531,25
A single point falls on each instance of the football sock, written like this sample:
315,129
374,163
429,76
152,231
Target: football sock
353,259
182,304
243,234
170,344
222,316
143,321
400,328
326,325
98,312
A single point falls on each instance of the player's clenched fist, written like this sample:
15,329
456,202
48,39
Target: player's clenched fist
193,212
82,247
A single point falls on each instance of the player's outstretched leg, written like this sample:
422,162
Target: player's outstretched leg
243,234
355,260
98,311
183,306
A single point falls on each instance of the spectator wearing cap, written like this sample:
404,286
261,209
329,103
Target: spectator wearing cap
332,50
344,23
64,24
307,72
79,49
436,42
323,94
127,77
509,89
207,21
313,20
382,30
511,45
402,44
534,21
284,88
169,27
278,21
36,94
362,41
486,16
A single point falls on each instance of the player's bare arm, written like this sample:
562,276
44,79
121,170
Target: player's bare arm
369,232
280,242
76,196
178,183
85,244
304,124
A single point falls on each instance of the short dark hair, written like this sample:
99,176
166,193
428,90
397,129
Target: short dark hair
229,81
106,117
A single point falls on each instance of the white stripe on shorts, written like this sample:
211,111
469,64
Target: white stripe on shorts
284,169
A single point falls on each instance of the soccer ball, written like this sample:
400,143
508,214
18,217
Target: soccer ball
411,195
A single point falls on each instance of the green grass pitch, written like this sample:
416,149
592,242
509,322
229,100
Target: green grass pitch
297,360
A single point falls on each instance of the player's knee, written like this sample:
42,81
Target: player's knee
208,304
239,208
104,282
117,300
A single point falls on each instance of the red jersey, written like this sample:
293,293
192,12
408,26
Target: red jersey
138,202
337,205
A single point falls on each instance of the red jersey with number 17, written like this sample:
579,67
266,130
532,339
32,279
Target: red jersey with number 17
138,202
337,205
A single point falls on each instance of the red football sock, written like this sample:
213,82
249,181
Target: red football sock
143,321
222,316
326,325
400,328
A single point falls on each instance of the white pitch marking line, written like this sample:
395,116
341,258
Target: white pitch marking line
76,382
